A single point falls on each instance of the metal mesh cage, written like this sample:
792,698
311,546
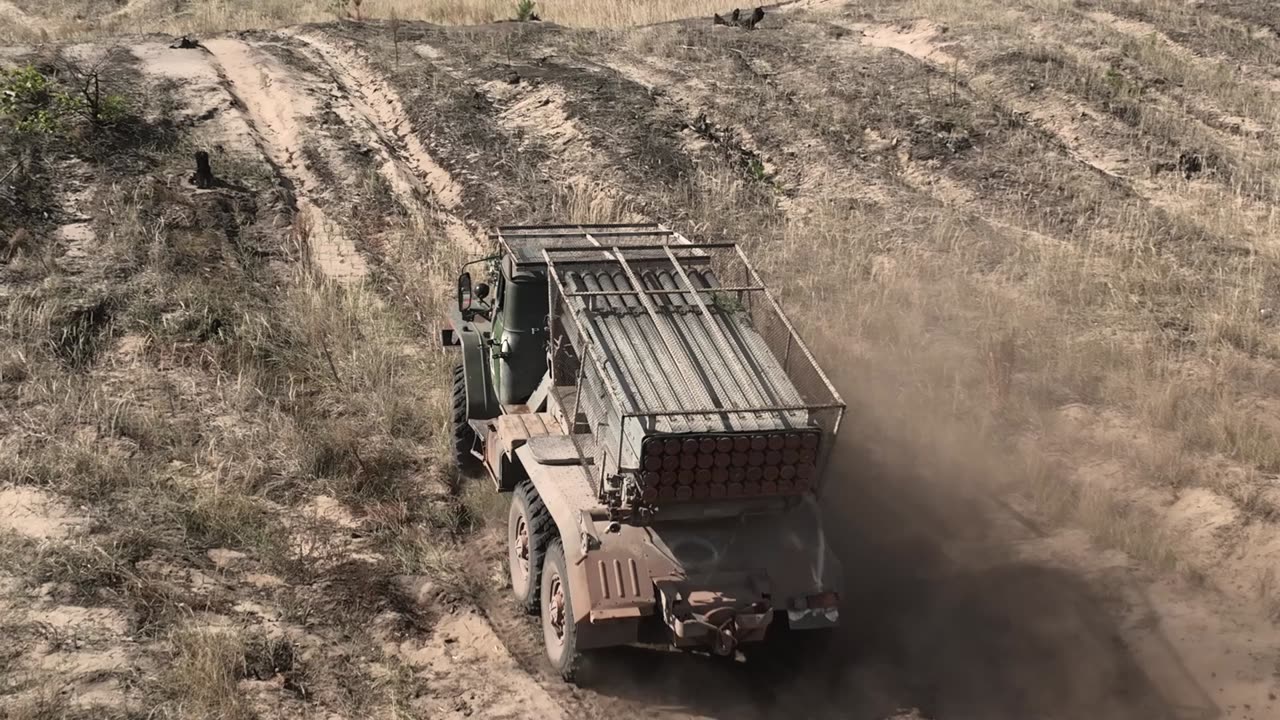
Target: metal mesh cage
660,336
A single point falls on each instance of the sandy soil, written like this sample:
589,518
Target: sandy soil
31,513
277,107
963,603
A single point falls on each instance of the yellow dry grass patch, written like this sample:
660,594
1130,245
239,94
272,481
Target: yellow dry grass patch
57,19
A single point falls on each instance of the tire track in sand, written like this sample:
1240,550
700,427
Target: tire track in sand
373,110
375,99
275,109
499,626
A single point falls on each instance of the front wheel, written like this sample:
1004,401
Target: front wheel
559,632
464,437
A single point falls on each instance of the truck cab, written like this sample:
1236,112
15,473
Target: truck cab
662,431
504,324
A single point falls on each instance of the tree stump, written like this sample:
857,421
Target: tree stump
736,19
203,178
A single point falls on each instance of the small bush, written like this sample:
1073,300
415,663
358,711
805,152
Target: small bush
78,333
525,11
264,656
231,520
35,103
32,103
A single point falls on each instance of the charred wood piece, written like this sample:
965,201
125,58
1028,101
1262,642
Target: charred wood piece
203,178
736,19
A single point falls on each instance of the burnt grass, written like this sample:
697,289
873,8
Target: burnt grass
36,163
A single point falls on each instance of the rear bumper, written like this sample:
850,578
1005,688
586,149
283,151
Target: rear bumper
722,631
715,582
720,634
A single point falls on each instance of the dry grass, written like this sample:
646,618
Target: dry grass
202,401
216,16
944,346
964,331
207,664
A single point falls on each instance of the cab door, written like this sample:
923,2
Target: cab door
519,345
497,353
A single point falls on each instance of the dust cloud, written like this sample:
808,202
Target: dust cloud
940,616
939,612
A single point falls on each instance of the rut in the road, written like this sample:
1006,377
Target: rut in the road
381,108
277,107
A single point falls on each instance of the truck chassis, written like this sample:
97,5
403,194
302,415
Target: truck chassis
663,432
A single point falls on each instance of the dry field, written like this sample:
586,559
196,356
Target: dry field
1035,242
71,19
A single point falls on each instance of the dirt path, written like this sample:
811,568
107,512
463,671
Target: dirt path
1095,138
940,617
474,674
409,165
277,108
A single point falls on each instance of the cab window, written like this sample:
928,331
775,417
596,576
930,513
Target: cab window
499,292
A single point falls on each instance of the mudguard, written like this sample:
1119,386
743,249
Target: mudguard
482,402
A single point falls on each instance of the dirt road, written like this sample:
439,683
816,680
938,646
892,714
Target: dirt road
961,605
952,624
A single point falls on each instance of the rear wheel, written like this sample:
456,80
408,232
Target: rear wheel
559,632
529,532
464,437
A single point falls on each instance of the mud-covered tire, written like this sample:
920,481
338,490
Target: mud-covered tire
560,638
464,437
528,513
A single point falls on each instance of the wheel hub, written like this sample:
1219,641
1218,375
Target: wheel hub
555,613
521,546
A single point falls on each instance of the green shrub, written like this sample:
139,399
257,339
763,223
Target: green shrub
32,102
35,103
525,10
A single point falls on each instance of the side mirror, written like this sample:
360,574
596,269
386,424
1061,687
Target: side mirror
482,291
464,291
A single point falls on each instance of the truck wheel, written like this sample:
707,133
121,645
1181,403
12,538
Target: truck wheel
529,531
464,438
559,633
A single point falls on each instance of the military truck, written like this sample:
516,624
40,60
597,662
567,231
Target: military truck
662,431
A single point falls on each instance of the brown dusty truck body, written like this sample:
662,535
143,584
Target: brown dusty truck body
663,430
